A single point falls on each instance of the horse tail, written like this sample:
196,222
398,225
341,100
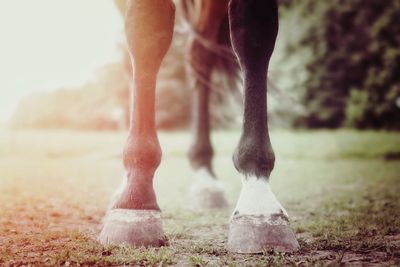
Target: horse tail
226,76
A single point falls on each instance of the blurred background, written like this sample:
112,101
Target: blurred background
336,64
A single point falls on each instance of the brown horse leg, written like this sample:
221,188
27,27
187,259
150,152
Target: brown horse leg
206,191
259,220
135,217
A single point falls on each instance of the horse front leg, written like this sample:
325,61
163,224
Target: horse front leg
259,221
135,217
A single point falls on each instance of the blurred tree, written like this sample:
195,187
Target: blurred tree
354,68
98,104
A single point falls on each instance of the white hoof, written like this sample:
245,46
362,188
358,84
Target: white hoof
133,227
206,192
254,234
259,221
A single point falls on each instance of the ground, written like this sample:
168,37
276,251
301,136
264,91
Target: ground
341,189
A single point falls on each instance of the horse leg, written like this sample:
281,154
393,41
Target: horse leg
135,217
259,221
206,191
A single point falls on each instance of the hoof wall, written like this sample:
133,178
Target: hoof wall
255,234
208,198
139,228
207,193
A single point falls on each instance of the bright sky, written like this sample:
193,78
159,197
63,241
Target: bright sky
48,44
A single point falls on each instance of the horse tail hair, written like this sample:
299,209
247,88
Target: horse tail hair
226,76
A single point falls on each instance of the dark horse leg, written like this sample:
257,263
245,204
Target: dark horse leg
134,218
259,221
206,191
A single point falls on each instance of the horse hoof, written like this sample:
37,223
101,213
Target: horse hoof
253,234
207,193
138,228
210,199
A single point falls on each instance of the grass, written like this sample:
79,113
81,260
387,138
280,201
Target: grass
340,188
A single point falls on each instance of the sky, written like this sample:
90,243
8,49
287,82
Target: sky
50,44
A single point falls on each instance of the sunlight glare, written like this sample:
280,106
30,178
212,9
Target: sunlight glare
52,44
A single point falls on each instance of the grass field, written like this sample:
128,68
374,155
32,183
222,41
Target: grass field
341,189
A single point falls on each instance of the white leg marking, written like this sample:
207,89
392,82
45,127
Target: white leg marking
204,180
257,198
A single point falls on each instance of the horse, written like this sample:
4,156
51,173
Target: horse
246,31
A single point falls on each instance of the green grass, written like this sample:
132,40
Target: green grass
339,187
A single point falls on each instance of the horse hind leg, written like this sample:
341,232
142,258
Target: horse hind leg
259,221
206,192
135,218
